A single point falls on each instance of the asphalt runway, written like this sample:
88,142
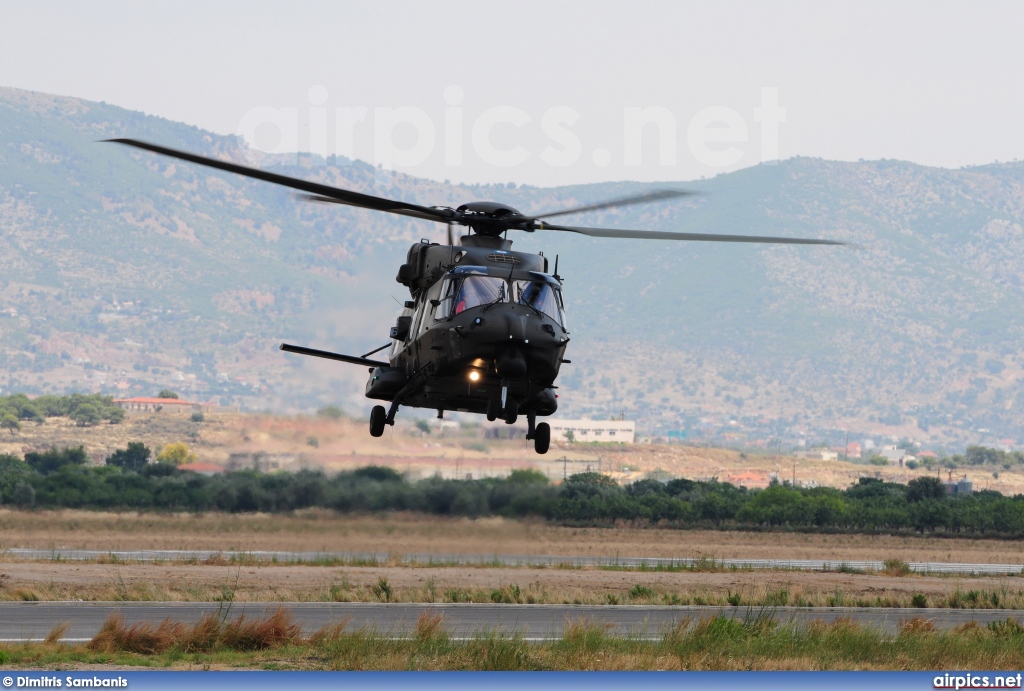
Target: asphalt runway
23,621
506,560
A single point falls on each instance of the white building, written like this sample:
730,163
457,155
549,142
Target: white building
621,431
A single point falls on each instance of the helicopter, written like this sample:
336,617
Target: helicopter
484,330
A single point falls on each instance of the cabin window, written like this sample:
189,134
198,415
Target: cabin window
543,297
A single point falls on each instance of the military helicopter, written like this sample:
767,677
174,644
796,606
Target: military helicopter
485,329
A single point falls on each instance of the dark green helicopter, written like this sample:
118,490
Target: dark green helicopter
485,331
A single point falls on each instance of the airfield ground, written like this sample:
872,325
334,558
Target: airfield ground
321,531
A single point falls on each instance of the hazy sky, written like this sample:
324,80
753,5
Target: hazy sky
549,92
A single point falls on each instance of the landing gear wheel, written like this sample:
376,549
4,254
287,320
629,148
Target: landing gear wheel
378,418
493,409
511,411
542,438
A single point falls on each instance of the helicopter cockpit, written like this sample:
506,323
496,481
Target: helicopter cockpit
468,287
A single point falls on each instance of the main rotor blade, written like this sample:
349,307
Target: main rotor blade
645,198
699,237
335,194
318,199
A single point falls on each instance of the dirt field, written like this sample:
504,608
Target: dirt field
206,582
403,534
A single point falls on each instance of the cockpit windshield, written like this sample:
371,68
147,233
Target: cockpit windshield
479,290
542,297
460,294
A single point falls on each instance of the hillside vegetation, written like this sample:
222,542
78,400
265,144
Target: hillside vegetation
122,272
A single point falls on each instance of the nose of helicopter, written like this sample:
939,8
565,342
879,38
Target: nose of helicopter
515,324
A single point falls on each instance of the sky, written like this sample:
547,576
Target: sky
551,92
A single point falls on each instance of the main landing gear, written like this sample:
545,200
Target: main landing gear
540,434
379,418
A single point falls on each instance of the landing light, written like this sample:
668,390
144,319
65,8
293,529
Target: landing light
474,375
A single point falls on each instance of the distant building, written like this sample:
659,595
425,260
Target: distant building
963,486
819,454
895,455
174,405
621,431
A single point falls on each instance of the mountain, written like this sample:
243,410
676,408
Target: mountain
125,272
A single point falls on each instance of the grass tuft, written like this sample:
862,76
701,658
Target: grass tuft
259,634
143,638
57,633
208,634
916,626
430,627
896,567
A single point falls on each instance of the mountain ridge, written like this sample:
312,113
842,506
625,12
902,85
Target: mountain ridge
914,334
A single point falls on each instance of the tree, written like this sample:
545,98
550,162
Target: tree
86,414
46,462
176,453
10,421
423,426
569,436
132,458
922,488
167,393
331,411
528,476
23,496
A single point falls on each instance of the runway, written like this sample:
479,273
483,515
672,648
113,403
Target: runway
436,559
24,621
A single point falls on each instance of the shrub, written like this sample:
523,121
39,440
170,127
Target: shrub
919,600
331,411
382,590
895,567
640,592
198,416
23,496
176,453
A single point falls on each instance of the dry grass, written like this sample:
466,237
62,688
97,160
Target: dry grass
713,643
57,633
209,633
916,626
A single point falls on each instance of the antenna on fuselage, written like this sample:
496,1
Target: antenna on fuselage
557,277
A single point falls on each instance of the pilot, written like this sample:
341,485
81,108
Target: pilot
536,295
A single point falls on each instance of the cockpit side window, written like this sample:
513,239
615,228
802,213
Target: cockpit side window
446,296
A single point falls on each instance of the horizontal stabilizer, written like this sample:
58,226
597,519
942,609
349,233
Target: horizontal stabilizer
351,359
